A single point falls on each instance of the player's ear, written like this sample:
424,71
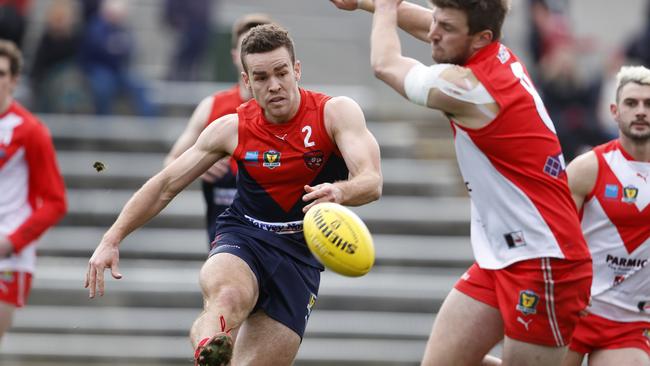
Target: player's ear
244,77
483,38
297,69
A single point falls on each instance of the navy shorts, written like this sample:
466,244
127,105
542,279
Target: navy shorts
288,288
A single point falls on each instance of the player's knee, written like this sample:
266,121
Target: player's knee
230,299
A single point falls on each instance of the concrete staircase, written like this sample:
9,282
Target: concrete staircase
420,228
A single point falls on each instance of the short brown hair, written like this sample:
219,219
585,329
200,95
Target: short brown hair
266,38
9,50
481,14
245,23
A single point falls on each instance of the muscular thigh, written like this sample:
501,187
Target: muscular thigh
262,341
621,356
518,353
464,331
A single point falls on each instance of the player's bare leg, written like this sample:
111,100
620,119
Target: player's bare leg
517,353
621,356
464,332
573,358
230,292
6,316
263,341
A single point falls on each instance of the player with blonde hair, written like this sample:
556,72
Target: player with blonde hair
610,186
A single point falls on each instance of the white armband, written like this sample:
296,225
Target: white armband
421,79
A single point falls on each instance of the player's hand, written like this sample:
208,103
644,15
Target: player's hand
107,255
325,192
346,4
217,171
6,248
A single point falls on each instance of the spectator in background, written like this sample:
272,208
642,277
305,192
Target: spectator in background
191,20
33,195
570,98
106,52
638,49
13,14
56,81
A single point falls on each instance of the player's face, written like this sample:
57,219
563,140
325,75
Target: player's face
7,81
273,80
632,112
449,35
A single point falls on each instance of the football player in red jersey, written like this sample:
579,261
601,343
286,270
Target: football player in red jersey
611,190
294,148
218,183
33,194
533,271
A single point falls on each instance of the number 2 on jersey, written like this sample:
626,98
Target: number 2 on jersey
307,130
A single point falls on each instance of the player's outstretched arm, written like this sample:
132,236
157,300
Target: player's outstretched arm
386,57
216,141
412,18
346,125
582,173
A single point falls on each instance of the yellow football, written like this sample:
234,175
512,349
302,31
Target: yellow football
339,239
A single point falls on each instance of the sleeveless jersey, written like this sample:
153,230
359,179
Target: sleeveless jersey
275,162
219,194
616,223
33,194
521,207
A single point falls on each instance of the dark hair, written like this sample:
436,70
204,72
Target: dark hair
266,38
9,50
481,14
245,23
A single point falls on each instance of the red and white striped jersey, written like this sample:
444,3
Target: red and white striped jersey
32,197
616,224
514,171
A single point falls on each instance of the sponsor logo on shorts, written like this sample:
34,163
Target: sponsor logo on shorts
629,194
313,159
525,323
3,153
644,306
7,276
515,239
646,333
528,301
611,191
310,304
271,159
554,165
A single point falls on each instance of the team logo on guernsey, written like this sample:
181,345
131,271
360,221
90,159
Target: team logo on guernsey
646,333
313,159
271,159
611,191
554,165
644,306
630,193
310,304
515,239
503,54
528,301
7,276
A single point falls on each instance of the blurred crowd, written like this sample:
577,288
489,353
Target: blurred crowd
577,102
83,59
